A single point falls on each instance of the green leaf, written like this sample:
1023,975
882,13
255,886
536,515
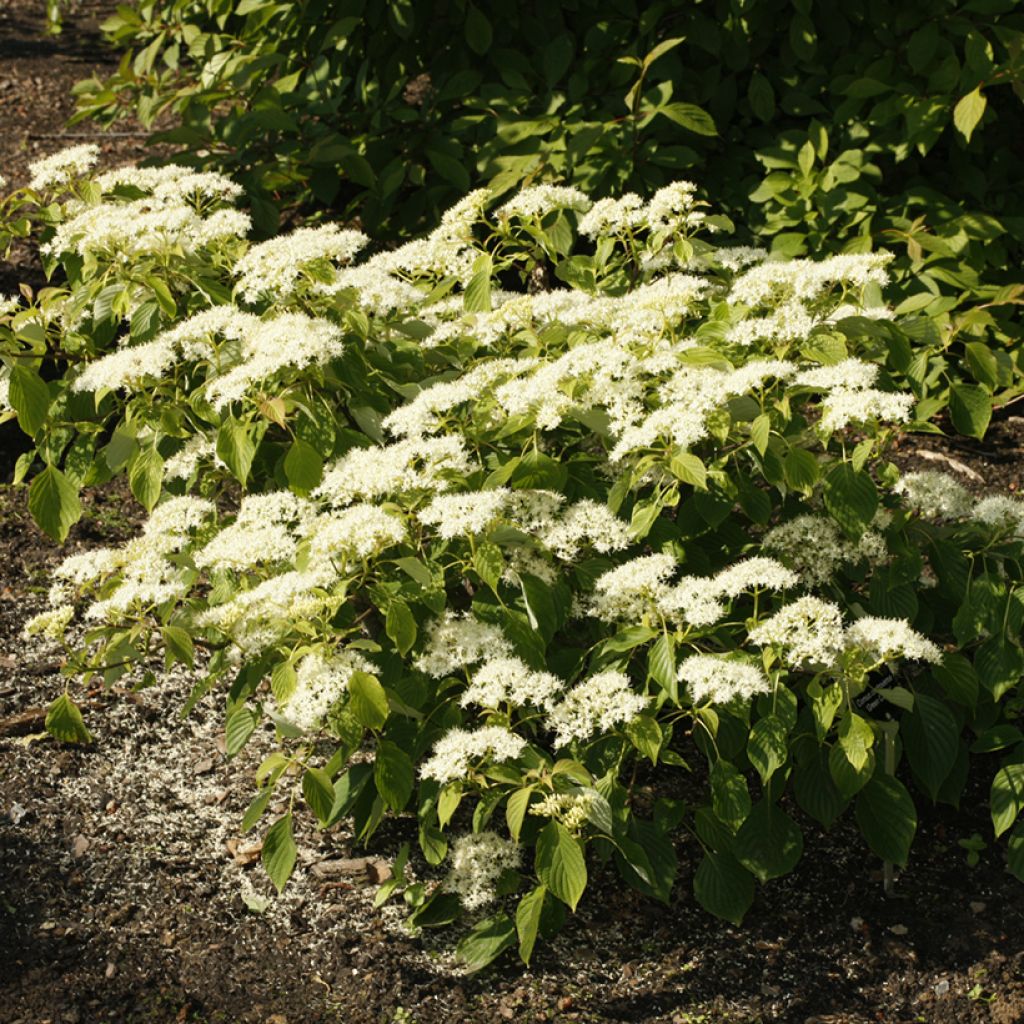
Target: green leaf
958,680
256,808
800,469
645,734
515,810
761,97
400,626
856,737
318,791
730,798
848,779
559,863
478,292
64,721
29,397
528,917
690,469
146,476
279,851
53,502
487,941
368,700
970,408
887,818
661,49
691,117
1007,796
760,431
1015,852
489,563
816,793
239,727
393,774
661,665
723,887
235,449
851,498
968,111
283,681
303,467
766,746
931,739
478,30
178,643
769,843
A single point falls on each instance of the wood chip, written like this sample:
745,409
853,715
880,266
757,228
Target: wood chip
373,869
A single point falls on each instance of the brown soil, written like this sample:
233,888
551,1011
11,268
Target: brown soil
37,73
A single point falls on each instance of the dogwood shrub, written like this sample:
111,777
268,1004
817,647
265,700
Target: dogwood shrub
563,529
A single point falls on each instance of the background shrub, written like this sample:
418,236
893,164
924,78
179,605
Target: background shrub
871,124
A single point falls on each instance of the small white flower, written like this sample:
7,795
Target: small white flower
459,749
934,495
477,862
720,678
596,705
891,638
809,631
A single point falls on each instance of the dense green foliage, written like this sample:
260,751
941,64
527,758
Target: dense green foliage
563,571
849,127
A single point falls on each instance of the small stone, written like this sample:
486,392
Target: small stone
563,1004
857,923
941,987
898,929
16,812
110,971
977,907
203,766
79,847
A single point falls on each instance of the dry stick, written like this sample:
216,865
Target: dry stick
88,135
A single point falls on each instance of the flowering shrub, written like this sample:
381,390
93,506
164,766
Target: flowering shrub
562,528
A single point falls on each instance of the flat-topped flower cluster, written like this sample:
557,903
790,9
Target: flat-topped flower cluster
510,541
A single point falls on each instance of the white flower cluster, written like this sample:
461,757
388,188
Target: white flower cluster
721,678
276,267
321,681
598,704
52,623
417,464
1001,512
795,294
934,495
814,548
508,679
811,634
883,639
478,860
460,749
538,200
264,347
569,809
640,589
457,642
54,172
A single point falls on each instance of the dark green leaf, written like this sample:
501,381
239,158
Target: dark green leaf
887,818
